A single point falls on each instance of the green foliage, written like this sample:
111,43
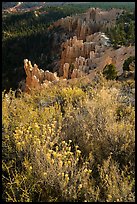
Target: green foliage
127,62
110,72
123,33
84,152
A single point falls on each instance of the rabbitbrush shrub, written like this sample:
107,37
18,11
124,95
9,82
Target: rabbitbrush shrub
83,152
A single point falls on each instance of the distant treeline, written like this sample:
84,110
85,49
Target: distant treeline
130,6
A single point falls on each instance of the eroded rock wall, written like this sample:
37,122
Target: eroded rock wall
95,53
82,36
37,78
87,50
94,20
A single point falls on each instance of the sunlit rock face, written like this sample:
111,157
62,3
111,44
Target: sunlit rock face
94,20
81,54
66,71
85,45
93,53
84,49
80,27
37,78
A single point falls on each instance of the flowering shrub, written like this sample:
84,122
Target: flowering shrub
66,144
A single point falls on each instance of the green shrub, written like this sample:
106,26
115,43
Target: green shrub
110,72
127,62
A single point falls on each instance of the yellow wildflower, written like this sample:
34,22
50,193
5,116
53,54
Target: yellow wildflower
52,161
69,162
48,156
80,186
45,174
60,164
109,196
78,151
66,178
30,168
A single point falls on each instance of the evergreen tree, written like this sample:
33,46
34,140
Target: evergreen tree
110,72
127,62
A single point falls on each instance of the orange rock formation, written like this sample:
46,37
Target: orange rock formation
37,78
87,51
90,22
92,54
